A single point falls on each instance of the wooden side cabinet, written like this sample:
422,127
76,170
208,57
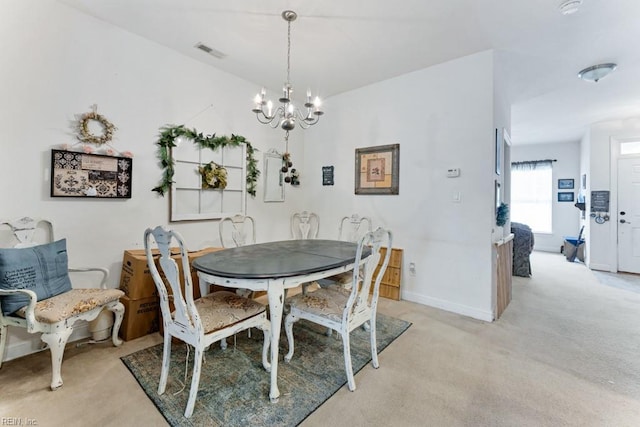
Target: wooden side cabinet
390,285
503,274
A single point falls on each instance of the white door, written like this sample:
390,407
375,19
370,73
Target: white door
629,215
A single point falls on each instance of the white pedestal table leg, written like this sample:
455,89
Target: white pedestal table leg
275,293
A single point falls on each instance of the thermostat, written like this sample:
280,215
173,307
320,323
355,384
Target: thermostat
453,173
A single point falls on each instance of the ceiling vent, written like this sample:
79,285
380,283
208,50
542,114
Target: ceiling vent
211,51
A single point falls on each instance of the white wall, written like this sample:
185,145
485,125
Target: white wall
442,117
57,62
602,242
565,216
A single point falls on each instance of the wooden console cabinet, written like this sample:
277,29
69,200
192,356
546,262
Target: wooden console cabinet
390,285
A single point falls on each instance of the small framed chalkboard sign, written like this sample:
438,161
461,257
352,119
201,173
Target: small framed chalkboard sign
327,175
600,201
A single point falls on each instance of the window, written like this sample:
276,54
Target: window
630,147
532,194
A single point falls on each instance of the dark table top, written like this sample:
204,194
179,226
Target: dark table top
278,259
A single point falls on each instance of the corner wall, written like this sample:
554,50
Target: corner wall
442,117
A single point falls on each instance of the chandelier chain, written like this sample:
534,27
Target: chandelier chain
288,52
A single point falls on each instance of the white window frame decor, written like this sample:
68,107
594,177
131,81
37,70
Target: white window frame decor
190,200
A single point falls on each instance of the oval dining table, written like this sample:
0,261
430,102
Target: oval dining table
275,267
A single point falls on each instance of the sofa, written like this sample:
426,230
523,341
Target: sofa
523,241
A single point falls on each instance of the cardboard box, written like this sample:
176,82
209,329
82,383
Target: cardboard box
136,280
141,317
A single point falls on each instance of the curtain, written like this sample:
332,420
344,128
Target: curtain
532,165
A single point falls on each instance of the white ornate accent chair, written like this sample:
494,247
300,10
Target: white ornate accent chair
343,310
237,230
305,225
200,322
36,292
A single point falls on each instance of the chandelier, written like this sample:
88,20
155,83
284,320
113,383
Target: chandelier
287,114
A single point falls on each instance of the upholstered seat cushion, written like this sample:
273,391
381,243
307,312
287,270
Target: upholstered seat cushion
221,309
344,279
327,302
71,303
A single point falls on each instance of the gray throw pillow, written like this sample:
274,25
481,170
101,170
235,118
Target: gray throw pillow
42,269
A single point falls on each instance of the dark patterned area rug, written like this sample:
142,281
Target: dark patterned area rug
234,387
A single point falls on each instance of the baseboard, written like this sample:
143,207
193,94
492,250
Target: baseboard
600,267
554,249
464,310
34,345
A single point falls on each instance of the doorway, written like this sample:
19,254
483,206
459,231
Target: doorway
628,225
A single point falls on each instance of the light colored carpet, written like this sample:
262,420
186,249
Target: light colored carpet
627,281
566,352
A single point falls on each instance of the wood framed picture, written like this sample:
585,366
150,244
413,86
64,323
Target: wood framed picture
77,174
565,196
378,170
565,184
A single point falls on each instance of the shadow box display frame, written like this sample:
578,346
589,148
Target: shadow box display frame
88,175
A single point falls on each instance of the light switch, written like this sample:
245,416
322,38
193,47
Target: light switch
456,197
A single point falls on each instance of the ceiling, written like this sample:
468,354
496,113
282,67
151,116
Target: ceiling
341,45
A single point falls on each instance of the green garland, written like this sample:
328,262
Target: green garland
168,135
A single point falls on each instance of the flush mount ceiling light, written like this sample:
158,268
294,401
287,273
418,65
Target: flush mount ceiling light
569,7
597,72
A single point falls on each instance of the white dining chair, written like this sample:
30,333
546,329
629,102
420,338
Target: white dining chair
199,322
237,230
305,225
351,229
344,310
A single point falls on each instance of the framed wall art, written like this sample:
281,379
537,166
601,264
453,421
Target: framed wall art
378,170
78,174
565,184
565,196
